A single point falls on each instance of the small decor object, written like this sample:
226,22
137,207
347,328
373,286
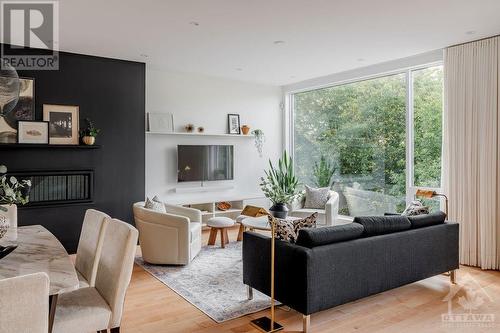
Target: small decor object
201,129
259,140
160,122
223,206
12,193
233,123
189,128
431,194
34,132
63,123
245,129
17,102
280,185
89,133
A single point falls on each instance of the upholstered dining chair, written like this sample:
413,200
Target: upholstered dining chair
100,308
90,246
171,238
24,304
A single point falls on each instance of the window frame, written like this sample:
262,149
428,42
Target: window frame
289,119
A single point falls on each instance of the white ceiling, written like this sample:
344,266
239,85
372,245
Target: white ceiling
235,38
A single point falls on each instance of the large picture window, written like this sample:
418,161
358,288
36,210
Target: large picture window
355,138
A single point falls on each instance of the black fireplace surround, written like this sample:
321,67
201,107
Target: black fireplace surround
111,93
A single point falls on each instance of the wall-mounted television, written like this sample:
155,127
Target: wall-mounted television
205,163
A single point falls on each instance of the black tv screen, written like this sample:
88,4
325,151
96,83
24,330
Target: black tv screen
204,163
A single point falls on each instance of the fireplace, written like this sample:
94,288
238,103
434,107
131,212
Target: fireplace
58,187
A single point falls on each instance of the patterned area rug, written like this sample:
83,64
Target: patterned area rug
213,282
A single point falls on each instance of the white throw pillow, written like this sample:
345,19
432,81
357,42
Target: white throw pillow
316,198
155,205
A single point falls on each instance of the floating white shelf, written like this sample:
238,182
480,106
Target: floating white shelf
202,134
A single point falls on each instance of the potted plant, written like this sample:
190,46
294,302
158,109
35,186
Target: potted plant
12,193
89,133
280,185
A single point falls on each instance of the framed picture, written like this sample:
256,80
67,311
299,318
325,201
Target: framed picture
14,109
233,123
30,131
63,123
160,122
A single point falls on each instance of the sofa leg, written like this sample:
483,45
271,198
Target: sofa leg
453,276
249,293
306,323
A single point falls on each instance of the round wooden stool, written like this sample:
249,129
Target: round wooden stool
219,224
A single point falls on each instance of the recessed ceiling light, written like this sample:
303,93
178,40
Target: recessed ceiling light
239,69
144,55
471,32
278,42
194,23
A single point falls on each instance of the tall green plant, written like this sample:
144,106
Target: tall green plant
323,172
280,184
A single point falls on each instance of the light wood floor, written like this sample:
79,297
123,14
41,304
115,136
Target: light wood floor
152,307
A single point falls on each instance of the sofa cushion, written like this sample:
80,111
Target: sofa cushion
421,221
288,229
154,205
321,236
416,207
379,225
316,198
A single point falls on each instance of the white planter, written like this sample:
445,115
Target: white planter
11,216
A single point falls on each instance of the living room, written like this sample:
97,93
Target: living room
236,166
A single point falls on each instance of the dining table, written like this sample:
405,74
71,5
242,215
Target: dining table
38,250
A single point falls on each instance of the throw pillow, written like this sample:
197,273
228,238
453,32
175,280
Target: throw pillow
415,208
155,205
288,230
316,198
156,199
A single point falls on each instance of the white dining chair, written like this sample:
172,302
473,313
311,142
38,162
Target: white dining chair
90,246
99,308
24,304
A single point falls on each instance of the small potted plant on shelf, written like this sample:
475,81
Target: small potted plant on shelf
89,133
280,185
12,193
259,140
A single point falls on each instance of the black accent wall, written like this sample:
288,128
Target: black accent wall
112,93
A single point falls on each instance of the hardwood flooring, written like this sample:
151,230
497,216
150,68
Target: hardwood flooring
151,307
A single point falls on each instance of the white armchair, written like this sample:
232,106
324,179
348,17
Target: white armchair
326,217
171,238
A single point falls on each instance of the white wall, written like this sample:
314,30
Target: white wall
206,101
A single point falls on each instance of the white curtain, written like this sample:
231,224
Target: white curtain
471,172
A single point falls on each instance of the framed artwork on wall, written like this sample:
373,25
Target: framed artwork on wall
15,108
160,122
63,123
233,124
34,132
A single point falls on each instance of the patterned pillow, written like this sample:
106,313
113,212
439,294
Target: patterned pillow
288,230
415,208
155,205
316,198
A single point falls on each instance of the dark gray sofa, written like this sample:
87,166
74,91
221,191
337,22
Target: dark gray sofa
335,265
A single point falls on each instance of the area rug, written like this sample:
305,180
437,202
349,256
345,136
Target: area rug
213,282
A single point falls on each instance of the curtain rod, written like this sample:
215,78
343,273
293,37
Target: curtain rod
473,41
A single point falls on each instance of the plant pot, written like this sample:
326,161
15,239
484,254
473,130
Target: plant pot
279,210
10,218
88,140
245,129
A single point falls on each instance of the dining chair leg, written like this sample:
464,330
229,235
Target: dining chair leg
52,310
115,330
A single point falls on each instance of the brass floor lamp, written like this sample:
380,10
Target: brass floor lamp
266,324
429,194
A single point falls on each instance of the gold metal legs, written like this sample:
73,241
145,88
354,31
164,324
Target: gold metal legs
249,293
306,323
453,276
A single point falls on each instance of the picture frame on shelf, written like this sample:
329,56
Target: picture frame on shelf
233,124
24,109
63,123
160,122
33,132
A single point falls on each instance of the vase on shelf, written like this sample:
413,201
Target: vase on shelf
245,129
10,218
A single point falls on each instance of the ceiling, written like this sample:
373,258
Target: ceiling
273,42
